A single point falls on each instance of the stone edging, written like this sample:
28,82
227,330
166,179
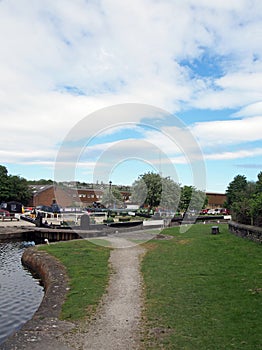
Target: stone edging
252,233
44,330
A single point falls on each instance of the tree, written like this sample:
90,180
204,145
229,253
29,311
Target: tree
4,184
185,198
259,183
170,194
256,210
192,199
40,182
241,211
112,197
152,190
13,188
19,190
244,199
147,190
235,190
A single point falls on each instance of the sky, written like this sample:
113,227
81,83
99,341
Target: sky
100,91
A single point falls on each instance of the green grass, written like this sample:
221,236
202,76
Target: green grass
100,242
88,271
203,291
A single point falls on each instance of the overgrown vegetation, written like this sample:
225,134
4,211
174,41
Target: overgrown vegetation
244,199
203,291
87,268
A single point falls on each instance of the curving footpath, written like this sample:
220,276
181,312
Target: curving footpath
117,324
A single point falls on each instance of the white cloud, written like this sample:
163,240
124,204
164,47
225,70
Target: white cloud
230,91
228,132
115,52
250,110
242,81
234,155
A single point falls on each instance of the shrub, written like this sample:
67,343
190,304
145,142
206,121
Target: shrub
124,218
109,220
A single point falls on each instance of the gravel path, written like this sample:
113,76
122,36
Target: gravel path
117,323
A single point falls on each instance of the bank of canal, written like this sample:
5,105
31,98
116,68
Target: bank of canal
20,293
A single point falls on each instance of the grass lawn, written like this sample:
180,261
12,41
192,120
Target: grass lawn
203,291
88,270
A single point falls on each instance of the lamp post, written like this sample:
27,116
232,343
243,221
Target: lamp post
110,192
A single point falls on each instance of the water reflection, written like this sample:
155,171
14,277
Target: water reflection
20,294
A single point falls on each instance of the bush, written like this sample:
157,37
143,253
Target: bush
124,218
109,220
67,223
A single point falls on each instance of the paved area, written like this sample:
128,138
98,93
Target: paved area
15,223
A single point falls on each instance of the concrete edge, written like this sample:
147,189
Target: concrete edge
44,331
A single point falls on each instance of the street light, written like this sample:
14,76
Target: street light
110,192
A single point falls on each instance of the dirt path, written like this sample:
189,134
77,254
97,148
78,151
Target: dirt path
117,323
118,320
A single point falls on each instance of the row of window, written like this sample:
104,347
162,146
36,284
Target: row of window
81,195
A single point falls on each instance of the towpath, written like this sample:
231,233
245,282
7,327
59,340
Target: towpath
117,322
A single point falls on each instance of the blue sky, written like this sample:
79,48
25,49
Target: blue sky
186,77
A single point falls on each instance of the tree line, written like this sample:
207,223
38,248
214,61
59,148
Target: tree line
153,190
13,188
244,200
243,197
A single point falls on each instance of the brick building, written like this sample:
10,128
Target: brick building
215,200
67,196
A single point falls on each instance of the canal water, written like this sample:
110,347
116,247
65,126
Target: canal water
20,292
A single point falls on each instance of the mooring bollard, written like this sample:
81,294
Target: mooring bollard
215,230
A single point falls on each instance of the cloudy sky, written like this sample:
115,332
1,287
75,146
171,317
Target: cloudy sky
111,89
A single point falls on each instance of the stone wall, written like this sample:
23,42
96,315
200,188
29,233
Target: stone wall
245,231
44,331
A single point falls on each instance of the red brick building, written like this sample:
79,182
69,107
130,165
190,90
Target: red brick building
215,200
69,196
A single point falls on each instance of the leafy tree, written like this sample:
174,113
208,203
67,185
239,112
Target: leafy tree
256,210
235,190
147,190
19,189
186,194
152,190
170,194
244,199
256,203
112,197
241,211
192,199
4,184
13,187
259,183
40,182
